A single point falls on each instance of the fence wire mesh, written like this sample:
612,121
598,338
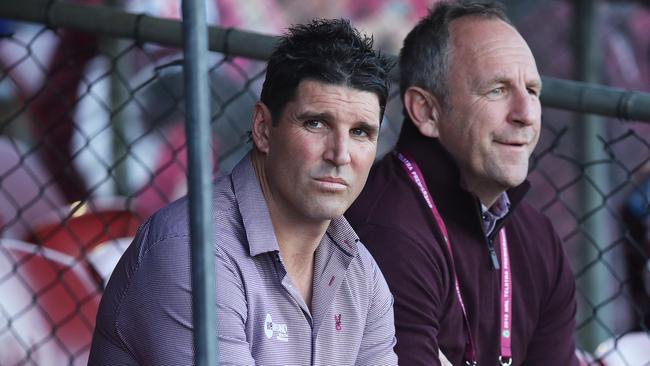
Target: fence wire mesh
92,142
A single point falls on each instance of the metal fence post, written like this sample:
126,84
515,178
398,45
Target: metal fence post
593,224
118,98
197,111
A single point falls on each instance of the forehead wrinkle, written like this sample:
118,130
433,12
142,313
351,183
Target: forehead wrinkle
339,101
471,39
525,71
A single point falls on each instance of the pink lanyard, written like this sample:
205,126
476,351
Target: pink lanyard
414,173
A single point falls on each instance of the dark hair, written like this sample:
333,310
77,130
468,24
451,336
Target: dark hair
424,58
329,51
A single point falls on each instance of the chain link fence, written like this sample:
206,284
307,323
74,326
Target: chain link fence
92,142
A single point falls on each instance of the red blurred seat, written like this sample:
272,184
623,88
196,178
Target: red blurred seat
48,304
75,230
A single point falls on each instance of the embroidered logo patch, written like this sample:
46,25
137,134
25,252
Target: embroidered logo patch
279,330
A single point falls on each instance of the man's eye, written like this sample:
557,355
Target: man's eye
497,91
314,124
359,132
533,92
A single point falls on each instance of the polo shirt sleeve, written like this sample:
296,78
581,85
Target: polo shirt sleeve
413,274
145,315
379,333
232,313
553,342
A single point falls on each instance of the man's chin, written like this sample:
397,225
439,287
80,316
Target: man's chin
324,213
513,182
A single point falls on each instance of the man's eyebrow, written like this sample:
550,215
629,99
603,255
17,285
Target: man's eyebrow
498,79
326,116
503,79
309,115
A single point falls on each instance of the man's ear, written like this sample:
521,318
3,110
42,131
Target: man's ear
262,124
423,109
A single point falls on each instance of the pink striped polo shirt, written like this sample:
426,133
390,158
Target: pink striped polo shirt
145,316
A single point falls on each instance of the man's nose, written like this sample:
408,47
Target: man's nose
337,150
525,108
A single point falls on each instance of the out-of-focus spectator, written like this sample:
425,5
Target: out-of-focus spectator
636,216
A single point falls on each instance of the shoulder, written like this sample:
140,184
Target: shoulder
391,219
388,203
535,230
160,249
172,221
380,179
526,214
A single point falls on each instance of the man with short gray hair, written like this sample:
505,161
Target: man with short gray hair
476,272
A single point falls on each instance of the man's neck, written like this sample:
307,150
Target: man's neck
486,194
297,237
487,200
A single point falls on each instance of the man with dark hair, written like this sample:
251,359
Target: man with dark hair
294,284
476,272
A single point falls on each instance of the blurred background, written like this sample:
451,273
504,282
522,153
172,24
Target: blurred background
92,142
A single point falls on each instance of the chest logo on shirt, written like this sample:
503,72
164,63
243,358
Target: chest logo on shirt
337,322
270,329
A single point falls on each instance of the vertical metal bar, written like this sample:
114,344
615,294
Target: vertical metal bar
195,34
595,281
117,97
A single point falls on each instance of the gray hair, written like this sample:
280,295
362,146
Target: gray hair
425,56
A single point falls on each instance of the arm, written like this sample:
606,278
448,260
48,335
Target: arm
232,313
379,333
146,313
153,314
108,347
130,325
414,277
553,341
169,313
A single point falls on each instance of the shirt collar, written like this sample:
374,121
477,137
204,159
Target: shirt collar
499,210
343,236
